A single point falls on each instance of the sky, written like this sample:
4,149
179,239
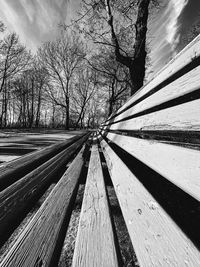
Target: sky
173,22
165,31
36,21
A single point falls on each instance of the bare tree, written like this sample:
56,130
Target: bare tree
96,111
13,60
135,64
41,82
121,26
84,88
61,58
28,90
112,76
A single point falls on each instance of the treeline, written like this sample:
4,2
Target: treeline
62,85
55,88
97,62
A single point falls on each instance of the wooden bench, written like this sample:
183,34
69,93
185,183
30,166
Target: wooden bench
151,151
151,145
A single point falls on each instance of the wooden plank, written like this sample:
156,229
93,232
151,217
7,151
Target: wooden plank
12,171
185,84
179,165
182,117
187,55
17,198
37,243
156,238
95,241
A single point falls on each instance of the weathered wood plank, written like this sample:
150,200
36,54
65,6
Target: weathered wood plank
156,238
182,117
37,243
182,86
17,198
16,169
95,241
186,56
179,165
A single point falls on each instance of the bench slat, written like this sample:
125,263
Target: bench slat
185,84
181,117
95,240
38,241
18,198
187,55
14,170
179,165
156,238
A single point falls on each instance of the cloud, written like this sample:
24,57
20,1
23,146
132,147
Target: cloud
9,13
166,33
28,9
174,10
36,21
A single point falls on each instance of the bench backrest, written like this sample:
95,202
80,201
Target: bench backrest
151,145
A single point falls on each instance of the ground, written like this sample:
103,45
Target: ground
15,143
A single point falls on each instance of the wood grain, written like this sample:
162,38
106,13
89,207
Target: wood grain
186,56
185,84
14,170
179,165
37,243
181,117
18,198
157,240
95,241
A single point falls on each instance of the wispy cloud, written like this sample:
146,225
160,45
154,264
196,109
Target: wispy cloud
174,10
166,33
36,21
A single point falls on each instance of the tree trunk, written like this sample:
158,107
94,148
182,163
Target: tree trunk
24,110
82,119
88,121
79,117
53,115
32,105
110,111
111,97
67,115
136,65
5,105
137,74
137,68
37,120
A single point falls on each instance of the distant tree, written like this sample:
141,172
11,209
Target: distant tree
28,91
83,92
14,58
112,76
61,58
2,26
96,112
41,81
